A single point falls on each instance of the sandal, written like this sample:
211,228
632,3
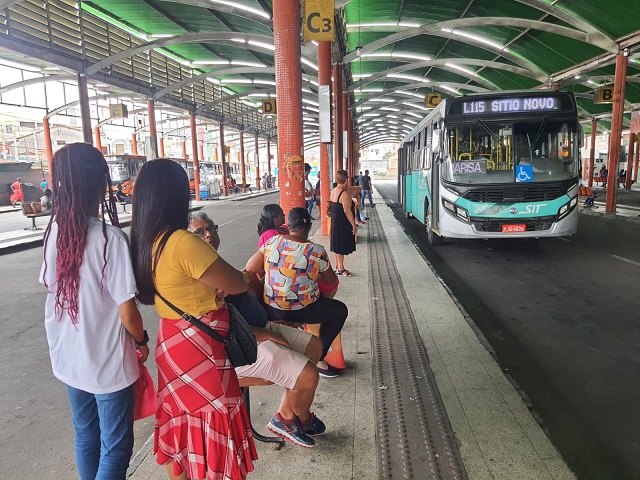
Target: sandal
344,273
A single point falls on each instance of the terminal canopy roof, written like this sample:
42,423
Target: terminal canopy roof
215,57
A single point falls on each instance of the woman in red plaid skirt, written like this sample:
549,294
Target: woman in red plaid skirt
202,429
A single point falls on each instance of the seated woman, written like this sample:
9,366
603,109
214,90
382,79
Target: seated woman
45,202
271,223
293,265
202,429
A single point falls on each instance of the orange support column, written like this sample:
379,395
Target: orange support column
269,158
635,168
223,156
242,165
152,130
257,160
215,155
337,118
616,130
184,150
286,32
194,150
134,144
97,138
201,150
592,152
324,79
161,147
47,144
344,134
632,144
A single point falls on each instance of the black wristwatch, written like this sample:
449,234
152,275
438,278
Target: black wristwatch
144,341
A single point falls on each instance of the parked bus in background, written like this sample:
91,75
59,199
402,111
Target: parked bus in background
124,169
494,165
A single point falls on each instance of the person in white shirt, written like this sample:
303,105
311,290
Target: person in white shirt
91,318
309,191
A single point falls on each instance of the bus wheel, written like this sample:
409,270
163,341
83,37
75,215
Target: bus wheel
432,237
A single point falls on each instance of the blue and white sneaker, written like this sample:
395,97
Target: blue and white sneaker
314,426
290,430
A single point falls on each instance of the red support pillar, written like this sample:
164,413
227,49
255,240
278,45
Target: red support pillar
635,168
337,118
134,144
616,130
47,144
194,151
257,160
85,111
223,156
324,79
286,32
184,150
344,133
269,158
632,144
97,139
592,152
201,150
242,165
152,130
161,147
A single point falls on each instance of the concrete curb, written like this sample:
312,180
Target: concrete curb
610,216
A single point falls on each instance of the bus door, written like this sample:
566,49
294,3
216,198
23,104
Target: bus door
434,174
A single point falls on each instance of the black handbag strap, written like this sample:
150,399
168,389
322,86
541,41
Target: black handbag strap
194,321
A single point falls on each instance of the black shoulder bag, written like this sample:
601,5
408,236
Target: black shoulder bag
240,344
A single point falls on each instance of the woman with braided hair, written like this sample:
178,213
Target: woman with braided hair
92,321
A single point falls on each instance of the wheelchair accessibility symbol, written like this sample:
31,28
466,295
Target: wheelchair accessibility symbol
524,173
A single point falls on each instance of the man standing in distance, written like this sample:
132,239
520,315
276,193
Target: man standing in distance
366,185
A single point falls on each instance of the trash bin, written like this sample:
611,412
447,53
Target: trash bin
31,192
215,189
204,191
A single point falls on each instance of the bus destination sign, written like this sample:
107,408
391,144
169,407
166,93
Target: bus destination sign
511,105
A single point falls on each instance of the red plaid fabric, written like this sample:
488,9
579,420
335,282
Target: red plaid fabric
201,423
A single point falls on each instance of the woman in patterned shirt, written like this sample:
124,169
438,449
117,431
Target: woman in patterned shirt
292,266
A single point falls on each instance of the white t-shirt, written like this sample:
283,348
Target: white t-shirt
97,354
308,186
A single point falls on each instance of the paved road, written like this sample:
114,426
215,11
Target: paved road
562,317
36,435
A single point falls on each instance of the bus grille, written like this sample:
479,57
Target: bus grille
495,225
515,194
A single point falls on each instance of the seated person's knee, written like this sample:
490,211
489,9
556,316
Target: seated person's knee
314,349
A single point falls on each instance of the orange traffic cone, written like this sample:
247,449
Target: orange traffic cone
335,356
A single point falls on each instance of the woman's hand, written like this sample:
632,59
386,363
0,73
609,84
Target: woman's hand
144,352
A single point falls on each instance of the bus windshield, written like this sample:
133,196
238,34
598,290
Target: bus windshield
501,152
119,171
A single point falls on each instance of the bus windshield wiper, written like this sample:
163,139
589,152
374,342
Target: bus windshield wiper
539,134
486,128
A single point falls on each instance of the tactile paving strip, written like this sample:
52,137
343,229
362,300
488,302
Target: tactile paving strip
413,435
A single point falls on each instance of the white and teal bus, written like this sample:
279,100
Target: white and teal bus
495,165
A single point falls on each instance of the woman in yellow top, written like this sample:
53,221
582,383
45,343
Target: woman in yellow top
202,430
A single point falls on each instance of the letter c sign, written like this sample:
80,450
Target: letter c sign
432,100
318,20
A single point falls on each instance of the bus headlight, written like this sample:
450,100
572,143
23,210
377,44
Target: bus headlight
455,210
567,207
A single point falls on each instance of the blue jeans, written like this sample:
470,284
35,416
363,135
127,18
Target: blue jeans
364,194
310,203
104,432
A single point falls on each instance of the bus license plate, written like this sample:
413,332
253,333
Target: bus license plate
514,228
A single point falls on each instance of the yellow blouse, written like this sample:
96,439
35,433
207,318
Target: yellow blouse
182,262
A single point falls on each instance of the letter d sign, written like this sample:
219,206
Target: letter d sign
269,107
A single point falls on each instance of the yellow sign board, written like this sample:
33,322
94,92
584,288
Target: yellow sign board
432,100
603,95
356,147
318,21
118,110
227,149
269,107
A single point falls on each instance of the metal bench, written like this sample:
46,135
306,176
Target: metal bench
33,211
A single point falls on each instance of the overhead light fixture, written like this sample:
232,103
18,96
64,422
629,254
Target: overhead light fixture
476,38
383,24
414,78
397,55
210,62
462,69
309,63
243,6
450,89
162,35
268,46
